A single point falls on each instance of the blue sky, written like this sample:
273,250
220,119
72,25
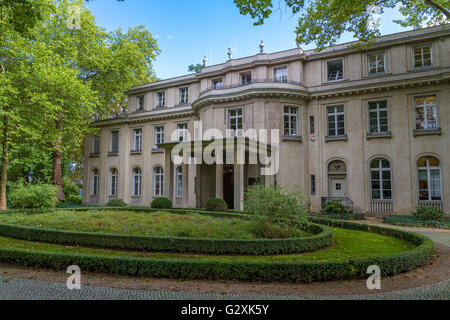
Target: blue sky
189,29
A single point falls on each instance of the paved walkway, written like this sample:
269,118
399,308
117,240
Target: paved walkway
41,290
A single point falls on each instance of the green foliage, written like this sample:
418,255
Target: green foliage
32,196
410,221
428,213
244,268
267,230
196,68
74,199
117,203
161,203
335,207
274,203
216,204
342,216
324,21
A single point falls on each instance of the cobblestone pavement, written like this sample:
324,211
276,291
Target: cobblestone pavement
18,289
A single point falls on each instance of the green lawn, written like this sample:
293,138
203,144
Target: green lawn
350,244
143,223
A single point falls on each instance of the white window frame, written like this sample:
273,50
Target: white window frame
158,134
335,114
380,171
292,119
137,139
422,59
160,99
184,95
338,77
113,182
111,141
95,182
428,169
233,120
378,117
136,179
182,132
140,107
158,176
377,63
425,111
283,79
179,181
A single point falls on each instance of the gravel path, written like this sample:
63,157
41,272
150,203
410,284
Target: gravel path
41,290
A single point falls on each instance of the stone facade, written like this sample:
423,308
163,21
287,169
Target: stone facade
370,126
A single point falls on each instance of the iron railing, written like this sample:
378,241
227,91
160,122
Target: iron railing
238,85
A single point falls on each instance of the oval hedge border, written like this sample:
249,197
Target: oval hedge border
266,271
322,237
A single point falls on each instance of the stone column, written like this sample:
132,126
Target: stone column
198,187
219,181
192,172
238,187
185,184
168,176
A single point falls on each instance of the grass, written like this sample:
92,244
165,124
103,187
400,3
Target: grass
350,244
151,224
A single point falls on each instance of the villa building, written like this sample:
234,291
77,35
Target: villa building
369,126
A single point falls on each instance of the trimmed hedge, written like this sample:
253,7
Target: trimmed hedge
161,203
344,216
409,221
242,270
322,237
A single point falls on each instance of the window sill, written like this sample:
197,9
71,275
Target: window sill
183,104
95,155
336,138
135,197
140,111
427,132
136,152
387,135
157,150
113,154
292,138
160,107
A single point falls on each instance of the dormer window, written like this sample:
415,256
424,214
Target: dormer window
139,103
423,57
246,78
335,70
160,99
376,63
217,83
281,74
184,95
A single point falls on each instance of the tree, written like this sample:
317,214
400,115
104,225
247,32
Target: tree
196,68
324,21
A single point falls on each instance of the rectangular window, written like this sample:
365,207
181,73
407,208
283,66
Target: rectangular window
378,117
313,184
182,132
235,121
336,121
335,70
160,99
139,103
376,63
246,78
137,145
423,57
290,121
281,74
96,145
426,113
184,95
217,84
114,142
159,136
311,125
179,182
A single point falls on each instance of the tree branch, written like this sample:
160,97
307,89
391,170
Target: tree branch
439,7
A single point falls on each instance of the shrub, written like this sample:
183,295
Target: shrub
161,203
74,199
117,203
33,196
274,203
335,207
428,213
216,204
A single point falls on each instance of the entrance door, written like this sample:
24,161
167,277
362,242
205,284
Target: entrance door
228,186
338,188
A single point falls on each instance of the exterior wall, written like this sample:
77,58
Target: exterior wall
306,154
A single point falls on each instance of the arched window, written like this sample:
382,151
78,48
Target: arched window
94,184
429,173
158,178
114,180
136,178
381,179
179,181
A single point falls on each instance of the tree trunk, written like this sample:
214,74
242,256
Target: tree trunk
4,165
57,175
438,7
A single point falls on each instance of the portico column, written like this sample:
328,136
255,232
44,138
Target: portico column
185,185
219,181
168,175
238,187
